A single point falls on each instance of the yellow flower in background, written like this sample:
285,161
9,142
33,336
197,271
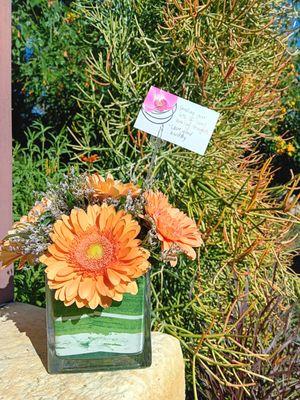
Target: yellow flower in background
283,147
280,145
70,17
290,149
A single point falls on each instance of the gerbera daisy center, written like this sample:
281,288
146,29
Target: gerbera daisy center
95,251
92,251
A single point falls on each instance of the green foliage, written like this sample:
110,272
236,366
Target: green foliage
49,52
43,158
227,307
30,286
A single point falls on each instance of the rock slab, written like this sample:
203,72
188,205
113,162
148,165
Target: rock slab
23,360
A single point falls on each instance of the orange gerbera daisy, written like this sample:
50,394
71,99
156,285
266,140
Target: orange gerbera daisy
156,203
174,228
110,188
95,257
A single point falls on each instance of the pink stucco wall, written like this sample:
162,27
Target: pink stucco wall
6,288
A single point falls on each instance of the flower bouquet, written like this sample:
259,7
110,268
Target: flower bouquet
98,237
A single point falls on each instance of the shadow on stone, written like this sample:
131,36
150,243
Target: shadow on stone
31,321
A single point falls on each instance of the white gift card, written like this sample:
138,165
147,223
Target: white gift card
177,120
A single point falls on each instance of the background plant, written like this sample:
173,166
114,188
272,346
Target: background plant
232,310
283,140
42,159
49,55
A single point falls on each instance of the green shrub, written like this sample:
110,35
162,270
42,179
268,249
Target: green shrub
50,45
226,56
43,158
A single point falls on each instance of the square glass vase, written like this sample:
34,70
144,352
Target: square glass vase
117,337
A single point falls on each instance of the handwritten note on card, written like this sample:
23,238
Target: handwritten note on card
177,120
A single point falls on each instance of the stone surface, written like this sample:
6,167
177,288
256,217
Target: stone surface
23,375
